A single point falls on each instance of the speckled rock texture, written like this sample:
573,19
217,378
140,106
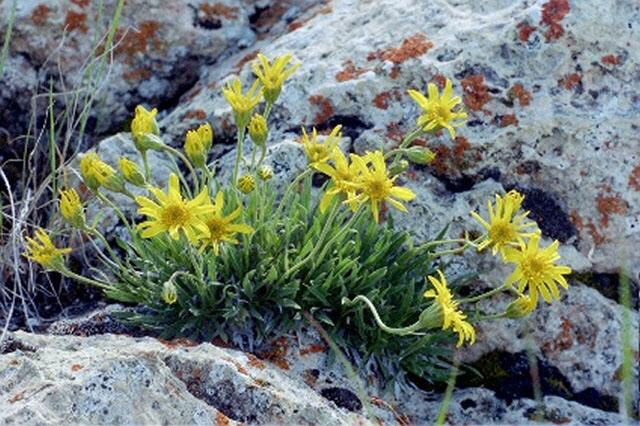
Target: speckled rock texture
161,48
551,87
117,379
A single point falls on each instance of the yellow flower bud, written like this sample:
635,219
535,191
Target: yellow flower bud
400,167
247,183
258,130
273,75
131,172
265,172
521,307
96,172
143,125
420,155
169,293
242,105
71,208
205,132
195,149
45,252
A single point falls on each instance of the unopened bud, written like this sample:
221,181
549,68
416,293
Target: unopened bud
265,172
420,155
71,208
399,167
195,149
169,293
247,183
205,132
131,172
521,307
258,130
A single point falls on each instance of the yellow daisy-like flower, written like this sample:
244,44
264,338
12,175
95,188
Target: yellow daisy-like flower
71,207
220,228
439,110
377,186
504,228
344,178
536,269
242,105
43,251
451,315
273,76
320,153
174,213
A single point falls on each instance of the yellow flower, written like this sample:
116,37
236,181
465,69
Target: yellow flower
242,105
131,172
377,186
174,213
145,129
272,77
258,130
344,178
96,172
521,307
71,207
44,252
169,293
320,153
439,110
195,149
504,228
246,183
536,268
205,131
451,315
220,228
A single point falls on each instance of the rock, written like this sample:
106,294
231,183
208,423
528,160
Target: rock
160,50
110,378
547,105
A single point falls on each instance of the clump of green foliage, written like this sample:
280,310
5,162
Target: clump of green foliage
236,261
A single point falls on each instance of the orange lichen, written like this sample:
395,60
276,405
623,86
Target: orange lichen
137,75
570,81
634,178
277,355
238,366
81,3
17,397
525,31
222,420
193,93
608,204
326,110
614,60
40,14
412,47
14,362
577,221
598,238
350,72
76,21
395,72
394,132
255,362
519,92
553,12
313,349
564,340
137,41
297,24
198,113
309,376
382,100
178,343
505,120
440,80
476,92
218,9
76,367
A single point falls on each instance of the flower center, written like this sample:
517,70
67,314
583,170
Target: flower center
174,215
216,228
502,233
318,153
379,189
533,268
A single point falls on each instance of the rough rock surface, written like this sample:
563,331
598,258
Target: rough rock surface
161,48
120,379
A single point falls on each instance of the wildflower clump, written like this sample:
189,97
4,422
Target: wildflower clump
232,256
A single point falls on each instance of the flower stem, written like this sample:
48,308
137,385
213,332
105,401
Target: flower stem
410,137
147,169
85,280
293,184
115,208
238,156
391,330
184,160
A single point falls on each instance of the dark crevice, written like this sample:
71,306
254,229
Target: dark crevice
608,284
10,344
509,376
